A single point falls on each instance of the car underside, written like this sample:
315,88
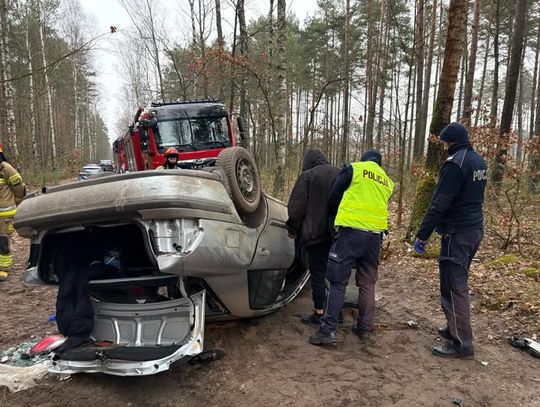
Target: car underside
188,254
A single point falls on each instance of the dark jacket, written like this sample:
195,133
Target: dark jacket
308,203
456,205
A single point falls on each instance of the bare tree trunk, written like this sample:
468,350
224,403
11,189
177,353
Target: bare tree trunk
266,126
439,42
382,77
281,98
484,69
419,46
243,53
402,144
343,155
337,126
89,137
371,86
462,80
48,89
364,121
3,77
427,82
194,38
193,26
233,53
290,102
534,159
32,118
377,56
9,91
510,92
77,118
535,83
519,147
298,103
221,45
410,140
495,87
221,41
150,15
328,125
202,46
467,101
442,111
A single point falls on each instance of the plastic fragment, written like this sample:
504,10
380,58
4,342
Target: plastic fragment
412,324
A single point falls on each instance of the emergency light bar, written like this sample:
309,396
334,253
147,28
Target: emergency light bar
183,102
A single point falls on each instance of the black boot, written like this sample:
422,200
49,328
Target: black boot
340,319
448,351
444,333
363,335
322,338
312,318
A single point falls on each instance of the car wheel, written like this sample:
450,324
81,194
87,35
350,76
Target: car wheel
243,178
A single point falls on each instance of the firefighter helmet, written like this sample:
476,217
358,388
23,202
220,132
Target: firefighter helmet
172,152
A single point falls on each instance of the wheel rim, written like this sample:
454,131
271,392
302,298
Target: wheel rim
245,175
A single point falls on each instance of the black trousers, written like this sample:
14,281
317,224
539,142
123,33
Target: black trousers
457,252
359,248
318,259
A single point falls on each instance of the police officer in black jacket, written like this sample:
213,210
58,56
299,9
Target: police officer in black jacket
456,213
308,221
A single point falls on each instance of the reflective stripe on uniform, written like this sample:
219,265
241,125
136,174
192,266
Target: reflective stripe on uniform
6,213
6,260
15,179
2,181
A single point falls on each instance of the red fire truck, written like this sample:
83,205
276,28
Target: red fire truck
199,129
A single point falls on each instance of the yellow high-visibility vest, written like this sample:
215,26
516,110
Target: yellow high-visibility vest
365,203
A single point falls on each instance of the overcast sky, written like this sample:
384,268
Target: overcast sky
106,13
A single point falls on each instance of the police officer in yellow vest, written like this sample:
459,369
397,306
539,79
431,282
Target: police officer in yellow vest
12,190
360,197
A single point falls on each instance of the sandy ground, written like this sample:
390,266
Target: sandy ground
268,361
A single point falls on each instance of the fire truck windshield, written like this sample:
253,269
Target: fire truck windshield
192,134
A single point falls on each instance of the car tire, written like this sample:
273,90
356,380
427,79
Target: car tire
242,178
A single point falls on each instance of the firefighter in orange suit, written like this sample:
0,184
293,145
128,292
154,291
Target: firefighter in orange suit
12,191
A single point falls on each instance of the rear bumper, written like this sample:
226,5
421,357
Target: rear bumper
118,367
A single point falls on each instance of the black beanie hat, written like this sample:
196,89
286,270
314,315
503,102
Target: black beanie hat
454,133
372,155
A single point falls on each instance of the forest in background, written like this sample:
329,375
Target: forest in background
48,95
353,75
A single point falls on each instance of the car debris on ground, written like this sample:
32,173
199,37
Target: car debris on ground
529,345
21,368
20,355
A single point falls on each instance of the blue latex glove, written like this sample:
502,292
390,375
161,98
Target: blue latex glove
420,246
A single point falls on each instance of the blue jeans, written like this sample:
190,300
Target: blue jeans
352,247
457,252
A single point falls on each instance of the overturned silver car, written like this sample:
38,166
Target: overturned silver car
194,244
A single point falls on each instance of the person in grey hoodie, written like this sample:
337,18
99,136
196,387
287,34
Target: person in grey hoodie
308,221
